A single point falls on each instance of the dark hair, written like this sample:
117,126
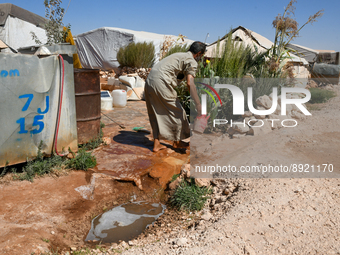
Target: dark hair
197,47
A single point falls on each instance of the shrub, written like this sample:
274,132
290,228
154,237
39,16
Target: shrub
83,161
177,48
188,196
137,55
320,95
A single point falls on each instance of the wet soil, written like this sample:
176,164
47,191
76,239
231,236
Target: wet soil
55,213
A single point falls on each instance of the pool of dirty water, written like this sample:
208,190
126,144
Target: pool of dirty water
124,222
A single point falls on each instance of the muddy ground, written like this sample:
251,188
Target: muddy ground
244,216
54,213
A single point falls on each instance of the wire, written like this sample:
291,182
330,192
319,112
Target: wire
60,104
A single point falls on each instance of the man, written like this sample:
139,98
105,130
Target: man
167,117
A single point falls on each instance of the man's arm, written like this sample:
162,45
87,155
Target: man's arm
193,93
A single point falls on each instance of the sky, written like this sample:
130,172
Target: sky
196,19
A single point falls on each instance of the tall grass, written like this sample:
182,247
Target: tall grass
140,55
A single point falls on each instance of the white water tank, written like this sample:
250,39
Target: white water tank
119,98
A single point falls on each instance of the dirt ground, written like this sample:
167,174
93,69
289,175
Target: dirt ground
54,213
244,216
264,215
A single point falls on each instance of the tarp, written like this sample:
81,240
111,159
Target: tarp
252,39
309,54
98,48
16,25
326,69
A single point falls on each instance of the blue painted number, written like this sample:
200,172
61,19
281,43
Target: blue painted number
22,130
37,121
29,100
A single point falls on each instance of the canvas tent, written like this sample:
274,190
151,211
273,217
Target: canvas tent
307,53
98,48
261,44
16,25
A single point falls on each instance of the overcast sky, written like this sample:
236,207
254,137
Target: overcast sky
195,19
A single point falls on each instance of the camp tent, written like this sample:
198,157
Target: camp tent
261,44
16,25
98,48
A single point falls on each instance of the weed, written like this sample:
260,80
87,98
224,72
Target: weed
188,196
46,240
95,142
320,95
174,177
137,55
4,169
83,161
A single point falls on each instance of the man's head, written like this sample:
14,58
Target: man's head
197,49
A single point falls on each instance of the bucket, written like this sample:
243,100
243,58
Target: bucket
201,123
119,98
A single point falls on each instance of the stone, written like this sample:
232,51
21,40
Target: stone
247,114
257,129
173,185
206,216
297,115
107,140
241,128
181,241
264,101
260,108
185,170
131,243
202,182
312,84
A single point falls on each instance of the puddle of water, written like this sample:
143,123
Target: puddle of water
124,222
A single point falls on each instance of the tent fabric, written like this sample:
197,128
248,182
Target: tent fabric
252,39
17,25
98,48
309,54
15,11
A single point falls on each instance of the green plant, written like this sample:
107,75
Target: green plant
55,31
286,29
95,142
174,177
320,95
83,161
177,48
137,55
190,197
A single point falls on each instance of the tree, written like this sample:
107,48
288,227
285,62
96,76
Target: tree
55,30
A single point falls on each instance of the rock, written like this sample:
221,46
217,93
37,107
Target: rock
202,182
124,244
247,114
181,241
264,101
238,136
240,128
131,243
73,248
173,185
260,116
312,84
52,232
206,216
107,140
257,129
185,170
297,115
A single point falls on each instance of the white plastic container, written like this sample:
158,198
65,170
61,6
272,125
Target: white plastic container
106,101
119,98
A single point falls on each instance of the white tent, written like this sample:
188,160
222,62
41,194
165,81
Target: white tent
251,39
98,48
16,25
